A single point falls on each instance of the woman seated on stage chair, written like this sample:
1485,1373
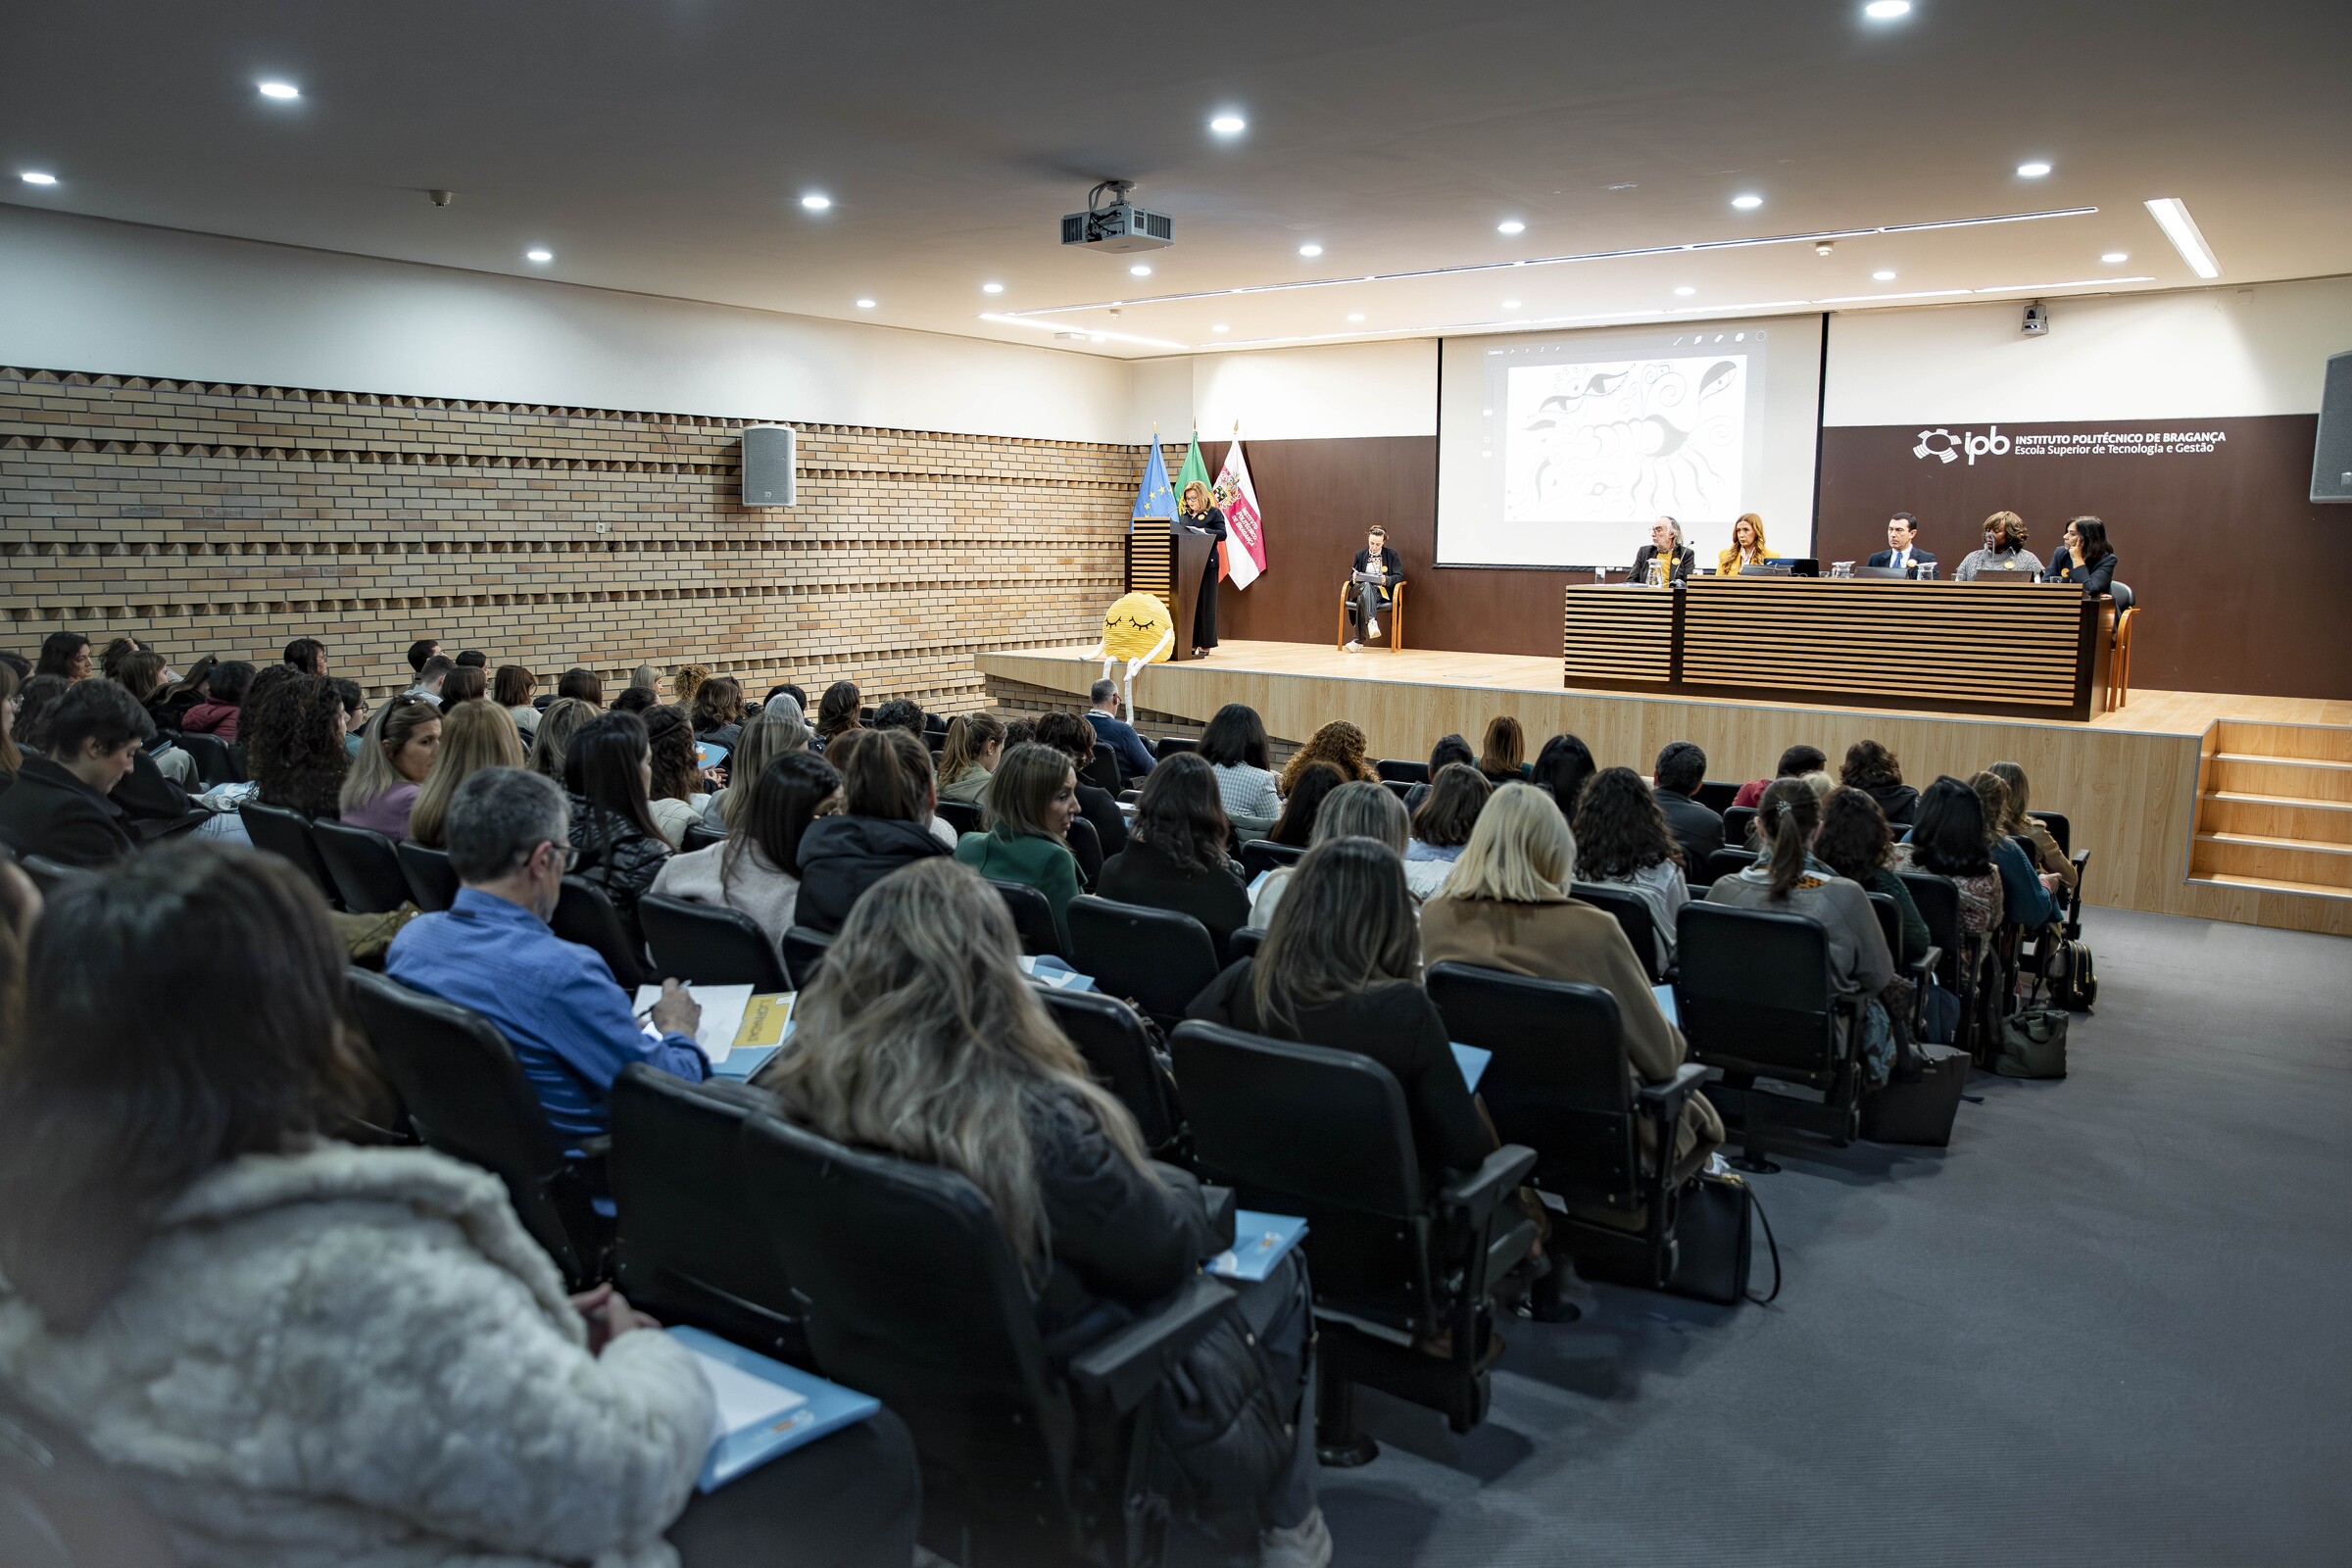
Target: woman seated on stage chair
2004,549
920,1038
1665,544
1373,580
2085,557
1747,546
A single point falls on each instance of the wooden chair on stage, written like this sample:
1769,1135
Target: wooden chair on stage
1395,616
2119,656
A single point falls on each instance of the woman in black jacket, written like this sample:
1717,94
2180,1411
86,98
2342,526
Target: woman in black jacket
886,801
1197,512
1873,771
1175,856
2086,557
920,1038
605,769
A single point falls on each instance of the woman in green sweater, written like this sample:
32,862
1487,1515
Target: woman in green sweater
1032,798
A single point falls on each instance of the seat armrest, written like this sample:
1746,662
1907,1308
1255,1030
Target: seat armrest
1118,1374
1926,964
1689,1077
1476,1197
1222,1203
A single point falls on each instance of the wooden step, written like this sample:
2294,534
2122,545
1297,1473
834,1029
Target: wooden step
2273,862
2304,778
2328,743
2314,890
2276,817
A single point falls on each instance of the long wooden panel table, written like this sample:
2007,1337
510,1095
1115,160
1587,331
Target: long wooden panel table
2029,649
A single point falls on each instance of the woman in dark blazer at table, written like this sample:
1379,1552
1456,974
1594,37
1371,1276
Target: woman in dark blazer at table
1665,539
1198,511
2085,557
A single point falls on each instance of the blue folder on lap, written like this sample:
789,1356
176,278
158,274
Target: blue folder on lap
1259,1242
764,1408
1473,1062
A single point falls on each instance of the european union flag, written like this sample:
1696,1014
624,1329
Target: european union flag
1153,498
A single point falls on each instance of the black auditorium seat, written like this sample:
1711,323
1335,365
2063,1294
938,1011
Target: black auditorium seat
710,944
1756,1001
1156,959
364,864
1117,1048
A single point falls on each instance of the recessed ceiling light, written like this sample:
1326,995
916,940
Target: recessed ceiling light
992,289
1220,327
2112,256
1229,125
2032,171
1686,291
816,201
34,177
1510,305
1355,315
1887,9
1748,203
1510,226
1882,275
1139,269
865,305
279,90
2172,216
1310,250
541,255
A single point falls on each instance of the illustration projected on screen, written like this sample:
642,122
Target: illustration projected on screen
1626,440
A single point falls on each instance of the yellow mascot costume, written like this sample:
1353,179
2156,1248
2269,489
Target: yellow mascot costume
1139,629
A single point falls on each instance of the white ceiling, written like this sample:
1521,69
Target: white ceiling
662,146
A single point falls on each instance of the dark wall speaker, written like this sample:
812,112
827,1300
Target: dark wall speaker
2331,454
769,454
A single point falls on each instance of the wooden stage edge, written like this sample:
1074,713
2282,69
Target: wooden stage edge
2129,780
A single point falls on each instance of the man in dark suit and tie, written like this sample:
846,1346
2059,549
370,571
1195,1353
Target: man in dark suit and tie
1901,529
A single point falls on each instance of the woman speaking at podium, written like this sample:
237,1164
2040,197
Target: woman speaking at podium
1666,545
1194,514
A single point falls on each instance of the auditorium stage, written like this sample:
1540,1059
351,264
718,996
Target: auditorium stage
2130,780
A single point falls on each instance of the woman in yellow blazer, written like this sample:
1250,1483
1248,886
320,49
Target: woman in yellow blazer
1747,546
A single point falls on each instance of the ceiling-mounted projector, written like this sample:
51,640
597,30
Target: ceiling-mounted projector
1117,225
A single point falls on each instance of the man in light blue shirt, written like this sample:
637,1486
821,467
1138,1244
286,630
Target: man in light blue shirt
556,1002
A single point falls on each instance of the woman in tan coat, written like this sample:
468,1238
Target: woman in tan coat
1506,906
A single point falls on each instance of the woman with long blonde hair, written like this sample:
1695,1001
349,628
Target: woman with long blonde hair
920,1036
1338,743
769,734
475,735
1747,546
1196,512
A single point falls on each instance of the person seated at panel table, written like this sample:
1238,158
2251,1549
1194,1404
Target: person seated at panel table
2004,549
1373,578
1747,546
1901,552
2084,557
1665,542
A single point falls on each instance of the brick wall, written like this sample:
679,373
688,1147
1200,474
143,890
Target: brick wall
231,520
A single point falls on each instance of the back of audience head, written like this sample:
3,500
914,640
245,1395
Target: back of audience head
1181,815
583,684
1450,749
884,774
34,704
559,721
465,683
1819,782
686,683
1799,759
1313,785
1068,734
2019,795
1339,744
292,732
1234,737
473,736
1032,794
670,751
140,673
422,649
308,654
717,702
1346,924
230,680
1786,817
475,659
1947,832
638,700
837,711
1682,767
109,662
188,689
1854,840
264,678
605,764
508,830
263,1067
900,713
1620,831
1564,767
395,750
1993,794
1521,852
94,732
18,662
920,1036
974,741
780,801
645,678
1457,793
765,738
1019,732
514,686
1869,765
354,701
436,673
785,688
1503,748
1363,811
65,653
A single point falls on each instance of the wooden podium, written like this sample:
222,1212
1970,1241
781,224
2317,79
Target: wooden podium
1193,553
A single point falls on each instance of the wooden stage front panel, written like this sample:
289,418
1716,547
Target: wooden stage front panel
2022,649
2127,779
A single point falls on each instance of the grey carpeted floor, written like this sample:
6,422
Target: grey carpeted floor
2108,1325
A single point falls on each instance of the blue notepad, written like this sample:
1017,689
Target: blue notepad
1259,1242
1473,1062
742,1062
764,1408
1665,996
709,754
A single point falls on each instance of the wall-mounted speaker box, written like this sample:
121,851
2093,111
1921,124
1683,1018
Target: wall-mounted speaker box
768,453
2331,454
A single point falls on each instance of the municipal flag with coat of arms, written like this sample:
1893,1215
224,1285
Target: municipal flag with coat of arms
1243,555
